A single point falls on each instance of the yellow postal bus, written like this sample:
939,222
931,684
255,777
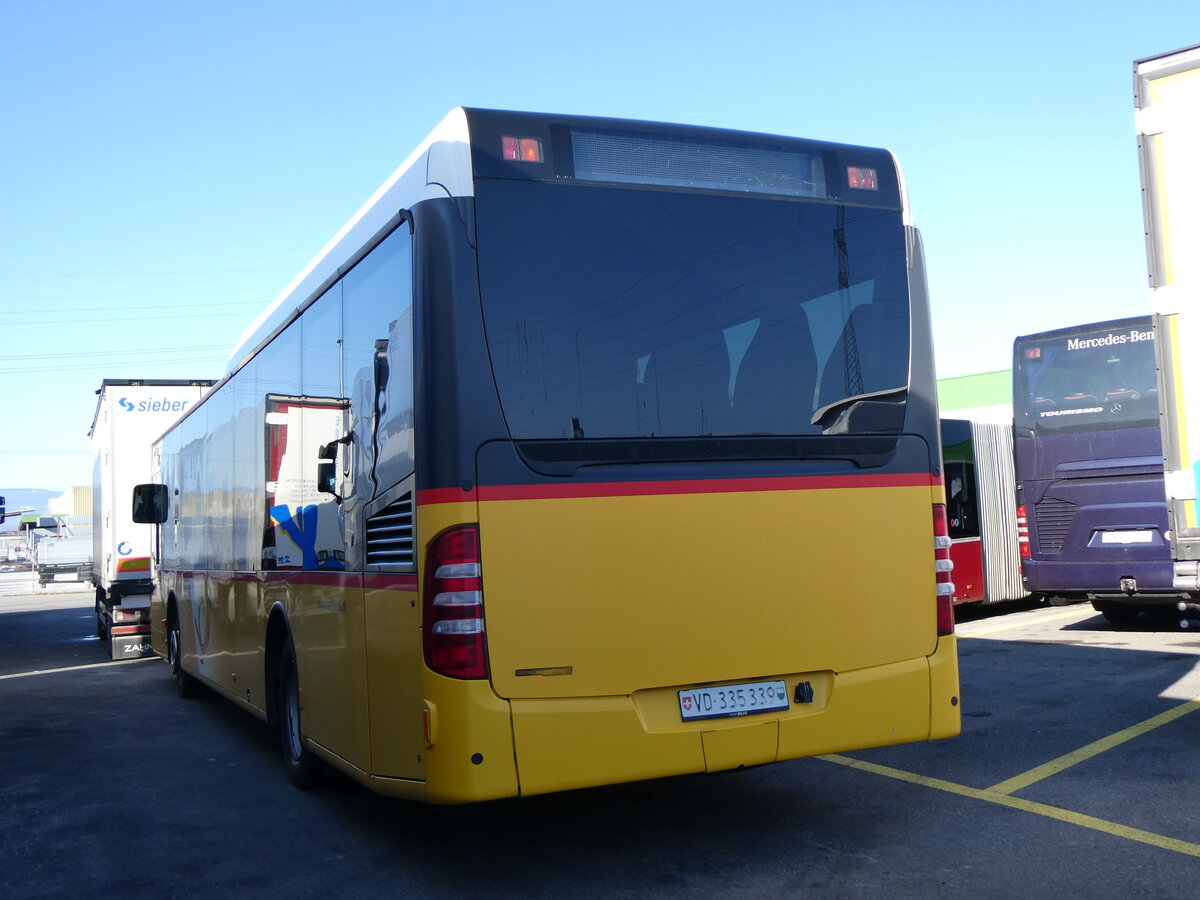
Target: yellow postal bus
588,451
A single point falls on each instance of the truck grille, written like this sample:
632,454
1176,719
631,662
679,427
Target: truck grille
390,535
1052,521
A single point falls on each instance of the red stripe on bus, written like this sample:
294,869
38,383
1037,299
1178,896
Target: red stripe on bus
663,488
446,495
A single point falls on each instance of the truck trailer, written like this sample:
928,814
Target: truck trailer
63,554
130,415
1167,119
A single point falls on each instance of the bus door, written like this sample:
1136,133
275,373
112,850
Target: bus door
305,543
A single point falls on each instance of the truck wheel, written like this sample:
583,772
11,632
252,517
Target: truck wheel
184,683
101,631
302,767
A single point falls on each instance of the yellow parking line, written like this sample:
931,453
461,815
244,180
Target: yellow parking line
1067,615
115,662
1025,779
1042,809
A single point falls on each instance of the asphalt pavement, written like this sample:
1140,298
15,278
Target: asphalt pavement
1075,775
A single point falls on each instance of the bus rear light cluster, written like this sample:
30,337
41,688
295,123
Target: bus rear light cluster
1023,532
523,149
942,567
455,643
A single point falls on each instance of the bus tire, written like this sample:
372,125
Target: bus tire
185,684
1118,613
303,768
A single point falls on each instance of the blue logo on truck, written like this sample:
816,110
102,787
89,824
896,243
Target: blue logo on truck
163,405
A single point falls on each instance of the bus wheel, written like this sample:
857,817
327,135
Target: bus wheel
1118,613
184,683
302,767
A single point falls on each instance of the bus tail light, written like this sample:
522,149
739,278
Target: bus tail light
1023,532
523,149
942,567
452,603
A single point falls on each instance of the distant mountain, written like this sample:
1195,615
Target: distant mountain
19,498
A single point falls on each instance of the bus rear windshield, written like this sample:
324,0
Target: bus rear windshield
1086,380
616,312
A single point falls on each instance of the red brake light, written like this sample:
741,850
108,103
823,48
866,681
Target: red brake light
862,179
452,603
524,149
942,567
1023,532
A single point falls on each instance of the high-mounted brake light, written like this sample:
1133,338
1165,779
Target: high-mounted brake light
942,567
452,603
523,149
1023,533
862,179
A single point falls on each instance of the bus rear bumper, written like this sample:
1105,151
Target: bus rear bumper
1108,578
584,742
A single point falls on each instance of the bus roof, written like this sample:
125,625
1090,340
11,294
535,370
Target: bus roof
440,166
443,166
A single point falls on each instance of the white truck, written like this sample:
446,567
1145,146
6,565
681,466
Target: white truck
130,414
1167,119
63,552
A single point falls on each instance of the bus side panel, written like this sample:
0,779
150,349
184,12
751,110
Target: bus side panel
249,630
393,638
967,556
330,657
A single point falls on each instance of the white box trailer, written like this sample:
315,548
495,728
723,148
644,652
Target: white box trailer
1167,118
130,415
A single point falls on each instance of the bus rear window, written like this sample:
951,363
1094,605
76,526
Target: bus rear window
616,312
1088,378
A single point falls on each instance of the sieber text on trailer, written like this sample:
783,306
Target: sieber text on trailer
154,405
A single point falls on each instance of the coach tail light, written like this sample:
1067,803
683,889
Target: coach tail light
1023,532
455,643
942,567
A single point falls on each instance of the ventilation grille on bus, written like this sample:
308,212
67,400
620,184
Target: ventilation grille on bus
390,535
1052,519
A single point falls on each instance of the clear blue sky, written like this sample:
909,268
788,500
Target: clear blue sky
166,168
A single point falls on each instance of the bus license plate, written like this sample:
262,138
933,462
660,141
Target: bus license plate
1126,537
732,700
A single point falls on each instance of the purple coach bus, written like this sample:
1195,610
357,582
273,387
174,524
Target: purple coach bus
1091,508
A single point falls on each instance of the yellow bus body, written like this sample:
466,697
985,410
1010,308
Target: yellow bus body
607,708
